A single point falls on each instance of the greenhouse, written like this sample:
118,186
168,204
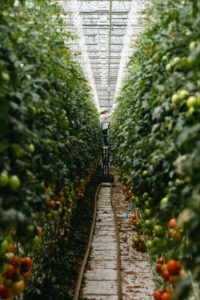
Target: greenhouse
99,149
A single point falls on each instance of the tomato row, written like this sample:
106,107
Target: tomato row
47,147
155,138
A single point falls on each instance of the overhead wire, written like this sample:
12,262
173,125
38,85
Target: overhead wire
109,54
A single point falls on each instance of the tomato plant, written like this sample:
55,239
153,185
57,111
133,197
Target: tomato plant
49,132
155,133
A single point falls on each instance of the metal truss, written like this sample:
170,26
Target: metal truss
105,32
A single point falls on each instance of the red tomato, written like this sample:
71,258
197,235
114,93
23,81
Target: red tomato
157,295
133,217
161,260
158,267
174,267
172,223
5,293
26,264
166,274
166,296
167,290
10,270
15,260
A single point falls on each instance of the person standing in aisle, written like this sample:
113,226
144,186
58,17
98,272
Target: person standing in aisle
105,131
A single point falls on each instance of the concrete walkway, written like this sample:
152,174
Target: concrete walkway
101,272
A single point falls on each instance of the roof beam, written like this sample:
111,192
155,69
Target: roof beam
103,12
103,1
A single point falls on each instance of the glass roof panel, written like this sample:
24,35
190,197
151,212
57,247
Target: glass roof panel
106,31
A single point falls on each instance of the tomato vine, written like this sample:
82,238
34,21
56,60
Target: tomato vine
49,132
155,134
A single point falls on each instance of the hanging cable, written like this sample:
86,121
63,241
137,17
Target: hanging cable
109,54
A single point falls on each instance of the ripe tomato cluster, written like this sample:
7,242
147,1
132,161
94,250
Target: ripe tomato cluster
162,295
175,231
171,271
138,239
18,271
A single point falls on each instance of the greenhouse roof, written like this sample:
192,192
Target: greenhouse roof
106,31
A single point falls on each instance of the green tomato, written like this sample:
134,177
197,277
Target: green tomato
183,94
14,182
190,111
145,173
165,57
5,76
183,63
175,98
148,223
60,211
145,195
191,101
147,212
149,244
159,231
55,213
69,211
30,228
188,33
147,203
168,67
191,60
4,178
28,77
164,201
49,216
157,240
192,46
31,148
137,201
176,60
36,241
19,151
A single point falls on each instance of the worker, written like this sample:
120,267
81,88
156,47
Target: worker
105,127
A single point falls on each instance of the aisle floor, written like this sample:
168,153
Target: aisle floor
101,273
100,278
